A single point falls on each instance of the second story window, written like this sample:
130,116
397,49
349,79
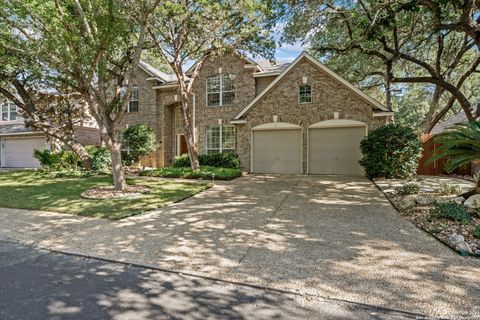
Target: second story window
305,94
220,90
133,103
9,112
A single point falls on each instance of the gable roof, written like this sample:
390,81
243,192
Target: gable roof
155,73
456,119
334,75
236,52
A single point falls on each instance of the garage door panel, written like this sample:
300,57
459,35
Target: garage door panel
335,150
277,151
18,152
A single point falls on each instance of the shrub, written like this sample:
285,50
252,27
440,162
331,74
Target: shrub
182,161
449,188
391,151
408,188
476,232
140,140
219,160
101,160
187,173
451,211
57,160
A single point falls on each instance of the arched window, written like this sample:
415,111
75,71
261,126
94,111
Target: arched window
305,93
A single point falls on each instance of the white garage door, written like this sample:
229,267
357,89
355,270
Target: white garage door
18,152
335,150
277,151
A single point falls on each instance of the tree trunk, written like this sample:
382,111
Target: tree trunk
80,150
117,167
188,127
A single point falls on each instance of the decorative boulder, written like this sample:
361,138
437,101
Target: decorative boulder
457,200
459,243
473,202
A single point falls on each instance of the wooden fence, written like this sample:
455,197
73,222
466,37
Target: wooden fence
435,167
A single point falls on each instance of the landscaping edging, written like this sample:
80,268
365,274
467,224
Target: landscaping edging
461,253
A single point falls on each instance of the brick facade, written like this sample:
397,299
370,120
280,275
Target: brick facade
157,106
328,96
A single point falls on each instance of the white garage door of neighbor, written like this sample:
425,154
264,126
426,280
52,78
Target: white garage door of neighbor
277,151
335,150
18,152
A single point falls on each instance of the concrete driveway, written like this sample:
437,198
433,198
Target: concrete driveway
328,236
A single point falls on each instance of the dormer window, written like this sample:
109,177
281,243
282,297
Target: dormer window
305,93
9,111
134,100
220,90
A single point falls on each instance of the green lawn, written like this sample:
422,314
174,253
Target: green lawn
37,191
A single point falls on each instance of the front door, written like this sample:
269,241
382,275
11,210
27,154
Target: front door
182,145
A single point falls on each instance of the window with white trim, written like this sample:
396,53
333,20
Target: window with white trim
220,139
220,90
305,94
9,112
178,118
134,100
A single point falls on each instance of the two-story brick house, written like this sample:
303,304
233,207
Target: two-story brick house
299,117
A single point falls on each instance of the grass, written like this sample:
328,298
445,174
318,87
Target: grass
37,191
187,173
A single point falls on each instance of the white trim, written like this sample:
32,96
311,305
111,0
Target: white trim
304,54
32,133
276,126
221,92
338,123
166,86
266,74
240,121
383,114
221,149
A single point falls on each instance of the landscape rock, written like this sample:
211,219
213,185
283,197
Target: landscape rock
424,200
442,200
473,202
458,242
457,200
407,203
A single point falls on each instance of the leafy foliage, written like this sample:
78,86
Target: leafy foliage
451,211
476,232
219,160
460,145
188,173
408,188
449,188
57,160
101,160
141,141
391,151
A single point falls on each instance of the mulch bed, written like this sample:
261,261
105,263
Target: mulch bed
109,192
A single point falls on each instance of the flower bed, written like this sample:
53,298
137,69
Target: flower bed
426,202
187,173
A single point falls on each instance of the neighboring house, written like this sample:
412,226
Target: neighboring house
17,142
286,118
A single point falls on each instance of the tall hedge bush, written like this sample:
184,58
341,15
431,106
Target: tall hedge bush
391,151
141,141
218,160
